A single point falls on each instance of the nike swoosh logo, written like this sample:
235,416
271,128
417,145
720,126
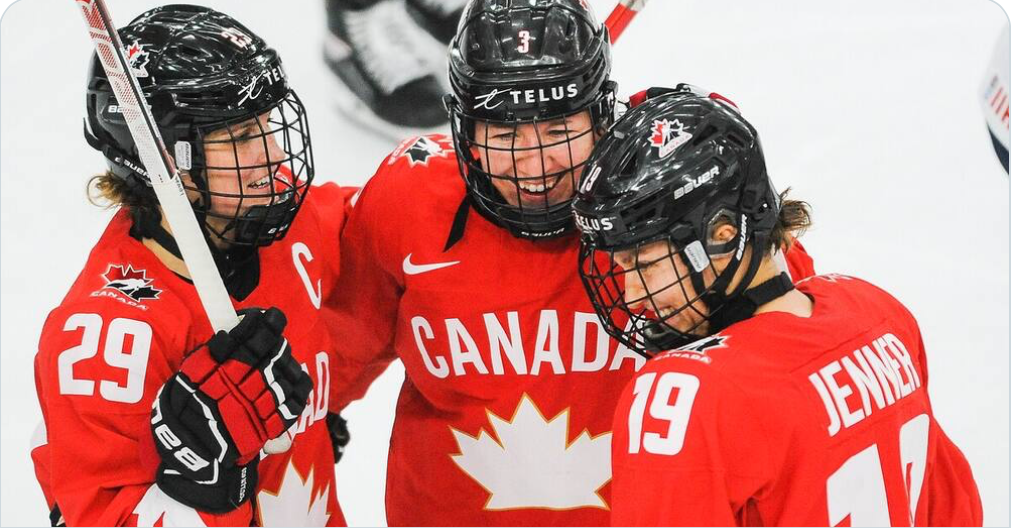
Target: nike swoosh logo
415,269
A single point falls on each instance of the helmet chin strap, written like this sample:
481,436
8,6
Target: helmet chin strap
725,309
248,228
662,337
744,306
239,266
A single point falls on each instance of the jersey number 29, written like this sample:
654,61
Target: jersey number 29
135,362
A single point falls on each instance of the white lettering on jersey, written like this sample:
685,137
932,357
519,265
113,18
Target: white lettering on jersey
580,363
464,348
440,369
546,348
881,372
319,397
468,353
300,250
499,342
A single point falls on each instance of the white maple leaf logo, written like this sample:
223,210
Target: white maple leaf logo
533,465
294,504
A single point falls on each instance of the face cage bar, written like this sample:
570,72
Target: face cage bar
632,321
535,217
257,218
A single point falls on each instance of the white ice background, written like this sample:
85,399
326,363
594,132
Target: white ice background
868,109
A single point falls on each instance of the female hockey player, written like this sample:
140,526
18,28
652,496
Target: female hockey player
151,417
459,260
774,404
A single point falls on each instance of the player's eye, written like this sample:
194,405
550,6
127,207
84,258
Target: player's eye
248,133
504,137
649,265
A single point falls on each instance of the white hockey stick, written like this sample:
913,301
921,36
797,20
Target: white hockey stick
622,15
161,169
164,177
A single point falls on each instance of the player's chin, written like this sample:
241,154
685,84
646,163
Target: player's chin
237,207
686,322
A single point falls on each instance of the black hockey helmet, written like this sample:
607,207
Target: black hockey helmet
672,169
212,84
527,62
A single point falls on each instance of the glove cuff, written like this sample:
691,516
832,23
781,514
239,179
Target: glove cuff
235,486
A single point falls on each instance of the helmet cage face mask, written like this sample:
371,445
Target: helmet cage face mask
515,66
221,100
559,150
643,323
261,169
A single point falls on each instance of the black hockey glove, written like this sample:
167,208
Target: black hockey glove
339,435
230,396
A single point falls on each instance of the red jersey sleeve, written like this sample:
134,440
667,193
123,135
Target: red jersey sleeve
950,491
99,367
364,303
684,452
331,204
950,495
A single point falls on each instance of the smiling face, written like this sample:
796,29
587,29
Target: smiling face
657,281
244,167
535,165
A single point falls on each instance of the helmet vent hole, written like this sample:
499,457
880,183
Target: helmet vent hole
188,51
641,214
707,134
629,169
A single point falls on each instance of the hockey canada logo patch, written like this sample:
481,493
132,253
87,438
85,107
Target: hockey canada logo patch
138,59
707,343
418,151
130,282
667,136
697,350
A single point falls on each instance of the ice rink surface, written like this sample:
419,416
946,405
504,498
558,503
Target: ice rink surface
867,109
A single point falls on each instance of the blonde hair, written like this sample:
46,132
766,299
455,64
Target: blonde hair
109,191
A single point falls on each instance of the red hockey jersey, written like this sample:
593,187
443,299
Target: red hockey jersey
123,329
788,421
505,414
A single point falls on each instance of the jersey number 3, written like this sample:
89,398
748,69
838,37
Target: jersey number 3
135,362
